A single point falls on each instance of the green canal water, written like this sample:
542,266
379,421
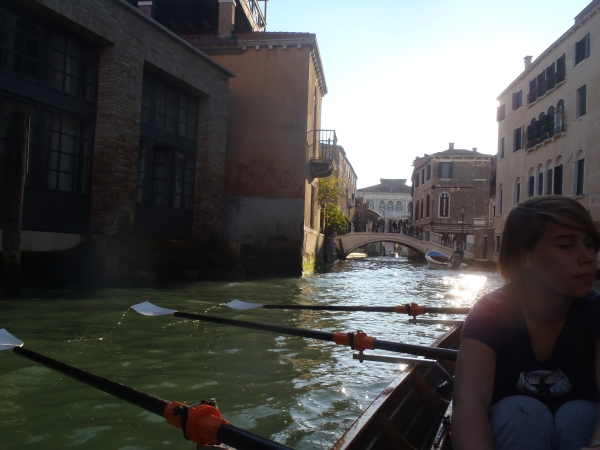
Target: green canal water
299,392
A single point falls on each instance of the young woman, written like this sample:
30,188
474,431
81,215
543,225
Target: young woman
528,369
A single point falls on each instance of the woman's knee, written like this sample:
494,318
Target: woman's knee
574,424
521,422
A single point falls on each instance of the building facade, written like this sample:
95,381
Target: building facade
451,194
128,129
548,134
347,177
390,198
276,149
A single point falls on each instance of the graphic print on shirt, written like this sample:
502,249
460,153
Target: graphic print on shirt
543,383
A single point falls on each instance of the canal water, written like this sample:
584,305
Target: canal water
299,392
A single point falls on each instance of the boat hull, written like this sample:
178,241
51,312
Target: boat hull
409,412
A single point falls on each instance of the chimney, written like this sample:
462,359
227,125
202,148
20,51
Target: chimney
451,146
475,149
527,60
226,17
148,7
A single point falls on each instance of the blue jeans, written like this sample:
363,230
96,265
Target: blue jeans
522,422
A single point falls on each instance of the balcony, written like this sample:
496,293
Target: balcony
321,145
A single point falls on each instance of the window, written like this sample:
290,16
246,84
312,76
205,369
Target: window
390,207
165,177
531,133
581,101
429,172
415,214
558,178
501,148
72,67
517,100
446,170
500,198
422,207
531,186
578,173
166,107
549,174
582,49
550,121
382,207
518,138
497,244
372,204
423,176
416,179
547,80
540,180
398,206
517,192
360,216
444,203
20,45
428,205
67,153
501,112
559,117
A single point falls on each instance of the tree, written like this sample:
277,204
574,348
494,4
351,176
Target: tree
329,193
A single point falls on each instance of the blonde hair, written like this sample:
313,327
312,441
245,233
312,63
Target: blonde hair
525,225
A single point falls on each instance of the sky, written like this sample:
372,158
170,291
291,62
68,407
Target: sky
407,77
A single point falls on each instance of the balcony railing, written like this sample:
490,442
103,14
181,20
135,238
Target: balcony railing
321,143
257,13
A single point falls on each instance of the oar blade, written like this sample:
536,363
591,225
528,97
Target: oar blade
242,306
8,341
149,309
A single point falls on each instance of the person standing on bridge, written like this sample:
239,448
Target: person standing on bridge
528,369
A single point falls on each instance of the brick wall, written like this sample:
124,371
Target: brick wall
129,43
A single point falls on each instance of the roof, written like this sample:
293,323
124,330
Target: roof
208,42
395,186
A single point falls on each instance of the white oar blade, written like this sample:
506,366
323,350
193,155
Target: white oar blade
148,309
240,305
8,341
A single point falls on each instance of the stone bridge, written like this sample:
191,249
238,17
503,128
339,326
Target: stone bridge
347,243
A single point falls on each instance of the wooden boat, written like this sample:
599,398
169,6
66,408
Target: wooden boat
438,261
411,413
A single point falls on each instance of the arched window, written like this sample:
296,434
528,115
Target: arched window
559,117
382,207
542,127
558,176
531,133
578,172
550,122
444,204
390,206
398,206
371,204
531,183
517,191
540,180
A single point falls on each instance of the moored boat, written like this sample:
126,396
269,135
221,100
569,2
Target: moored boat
411,412
438,261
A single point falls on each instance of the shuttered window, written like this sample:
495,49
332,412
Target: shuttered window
582,49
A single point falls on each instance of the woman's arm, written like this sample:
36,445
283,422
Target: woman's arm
473,388
596,435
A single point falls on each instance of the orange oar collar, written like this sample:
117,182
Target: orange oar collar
199,423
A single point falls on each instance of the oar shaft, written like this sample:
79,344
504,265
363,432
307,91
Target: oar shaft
441,310
242,439
427,352
311,334
385,309
145,401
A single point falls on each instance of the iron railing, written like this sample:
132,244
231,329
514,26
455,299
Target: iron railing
445,242
321,143
257,13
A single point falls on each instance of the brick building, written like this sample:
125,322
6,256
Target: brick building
347,176
128,131
276,149
548,134
446,183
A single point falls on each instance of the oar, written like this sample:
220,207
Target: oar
359,340
411,309
201,423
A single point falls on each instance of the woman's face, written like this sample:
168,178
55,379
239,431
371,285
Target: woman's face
563,261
